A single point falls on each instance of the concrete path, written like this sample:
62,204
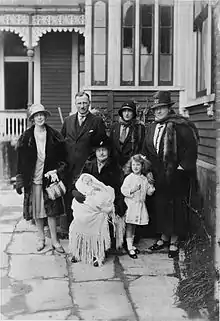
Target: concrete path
47,286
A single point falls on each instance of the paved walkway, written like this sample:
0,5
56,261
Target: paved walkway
43,286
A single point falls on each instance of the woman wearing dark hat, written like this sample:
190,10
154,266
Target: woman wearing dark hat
107,171
41,158
171,146
127,135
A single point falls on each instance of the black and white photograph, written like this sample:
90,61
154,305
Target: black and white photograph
110,160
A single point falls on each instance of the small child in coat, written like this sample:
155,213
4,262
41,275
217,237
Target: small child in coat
135,187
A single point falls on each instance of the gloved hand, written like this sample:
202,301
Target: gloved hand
78,196
19,190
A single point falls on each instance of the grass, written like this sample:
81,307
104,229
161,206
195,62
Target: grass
196,290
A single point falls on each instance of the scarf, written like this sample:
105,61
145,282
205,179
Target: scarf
170,140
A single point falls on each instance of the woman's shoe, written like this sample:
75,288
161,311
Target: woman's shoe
95,262
173,252
132,254
157,247
58,248
74,260
137,251
40,245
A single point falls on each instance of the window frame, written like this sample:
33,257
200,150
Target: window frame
162,82
197,25
144,82
93,81
122,82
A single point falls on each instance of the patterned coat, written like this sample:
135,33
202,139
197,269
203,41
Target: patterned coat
174,168
26,162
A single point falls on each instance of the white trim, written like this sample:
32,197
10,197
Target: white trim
175,42
16,59
206,165
209,53
75,71
136,88
199,101
88,42
37,75
137,42
2,80
156,42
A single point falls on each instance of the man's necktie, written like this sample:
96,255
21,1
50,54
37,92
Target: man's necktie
123,133
81,119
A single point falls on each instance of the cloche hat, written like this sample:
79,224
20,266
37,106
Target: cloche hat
38,108
130,104
103,142
162,98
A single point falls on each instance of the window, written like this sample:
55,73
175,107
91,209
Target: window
201,29
99,42
128,43
146,57
81,62
15,72
150,33
165,76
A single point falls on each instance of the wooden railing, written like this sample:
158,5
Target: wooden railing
12,123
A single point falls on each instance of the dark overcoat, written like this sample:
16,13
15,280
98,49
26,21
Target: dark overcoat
80,141
110,175
178,148
26,163
132,144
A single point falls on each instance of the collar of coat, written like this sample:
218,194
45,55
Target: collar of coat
27,138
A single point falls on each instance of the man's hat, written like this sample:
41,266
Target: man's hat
103,142
38,108
130,104
162,99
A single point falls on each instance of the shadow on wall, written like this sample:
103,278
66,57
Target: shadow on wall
8,160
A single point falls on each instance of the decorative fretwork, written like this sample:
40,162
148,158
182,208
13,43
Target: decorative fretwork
41,24
17,23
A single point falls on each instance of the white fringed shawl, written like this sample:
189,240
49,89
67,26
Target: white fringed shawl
89,235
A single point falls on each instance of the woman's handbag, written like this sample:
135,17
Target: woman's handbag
55,190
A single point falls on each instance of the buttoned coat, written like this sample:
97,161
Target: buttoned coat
26,163
132,144
80,141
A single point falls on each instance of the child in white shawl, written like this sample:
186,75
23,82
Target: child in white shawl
89,236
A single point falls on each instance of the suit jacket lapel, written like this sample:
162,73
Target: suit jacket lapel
85,126
73,125
117,137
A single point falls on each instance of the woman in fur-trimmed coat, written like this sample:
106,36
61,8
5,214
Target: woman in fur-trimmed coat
41,159
171,146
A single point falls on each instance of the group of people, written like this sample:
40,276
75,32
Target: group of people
109,179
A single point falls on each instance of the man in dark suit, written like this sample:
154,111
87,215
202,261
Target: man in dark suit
81,132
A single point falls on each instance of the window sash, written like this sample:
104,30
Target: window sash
146,82
131,54
161,55
101,82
